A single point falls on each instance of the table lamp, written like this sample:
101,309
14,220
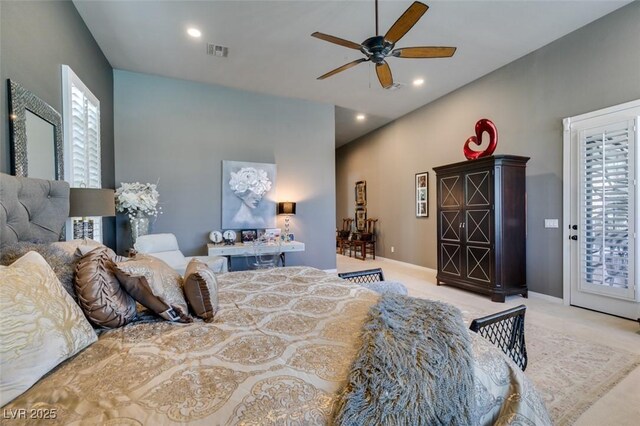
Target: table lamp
87,202
288,209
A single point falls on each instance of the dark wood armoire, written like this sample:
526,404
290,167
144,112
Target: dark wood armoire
481,215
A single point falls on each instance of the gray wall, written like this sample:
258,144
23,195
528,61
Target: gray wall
36,37
594,67
179,132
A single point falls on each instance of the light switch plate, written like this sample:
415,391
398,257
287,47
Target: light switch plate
551,223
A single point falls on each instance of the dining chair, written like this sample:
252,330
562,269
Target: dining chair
364,241
342,236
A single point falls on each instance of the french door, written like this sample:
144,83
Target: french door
601,211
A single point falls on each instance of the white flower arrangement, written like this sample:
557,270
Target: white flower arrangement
138,200
250,179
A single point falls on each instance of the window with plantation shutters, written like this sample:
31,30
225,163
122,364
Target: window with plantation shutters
607,205
82,138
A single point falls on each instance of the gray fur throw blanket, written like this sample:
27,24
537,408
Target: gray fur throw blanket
415,367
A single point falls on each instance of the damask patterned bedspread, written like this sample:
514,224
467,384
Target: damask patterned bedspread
277,352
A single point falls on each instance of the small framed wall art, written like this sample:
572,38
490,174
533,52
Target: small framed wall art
361,218
361,193
422,194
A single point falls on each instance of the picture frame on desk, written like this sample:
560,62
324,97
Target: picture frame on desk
248,235
272,233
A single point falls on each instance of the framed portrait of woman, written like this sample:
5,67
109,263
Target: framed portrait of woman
248,195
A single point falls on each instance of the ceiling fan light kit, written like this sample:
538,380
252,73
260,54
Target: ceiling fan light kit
378,48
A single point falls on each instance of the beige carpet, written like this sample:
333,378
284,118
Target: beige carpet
571,374
586,365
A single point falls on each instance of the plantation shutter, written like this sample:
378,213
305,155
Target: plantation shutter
82,138
85,140
607,207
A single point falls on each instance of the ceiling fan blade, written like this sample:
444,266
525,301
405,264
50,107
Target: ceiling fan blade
406,21
342,68
424,52
384,74
336,40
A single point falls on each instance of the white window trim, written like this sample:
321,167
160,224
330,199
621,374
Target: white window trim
69,79
568,124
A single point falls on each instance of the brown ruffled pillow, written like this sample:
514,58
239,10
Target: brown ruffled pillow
155,285
201,289
100,295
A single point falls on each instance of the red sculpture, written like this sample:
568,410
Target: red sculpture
483,125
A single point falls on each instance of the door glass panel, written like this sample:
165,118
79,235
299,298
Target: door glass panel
605,206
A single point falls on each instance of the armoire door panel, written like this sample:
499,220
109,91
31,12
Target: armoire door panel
478,226
450,259
450,192
478,260
478,189
450,225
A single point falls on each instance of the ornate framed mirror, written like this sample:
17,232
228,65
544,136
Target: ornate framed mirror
36,135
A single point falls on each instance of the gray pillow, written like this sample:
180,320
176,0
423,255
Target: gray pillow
62,263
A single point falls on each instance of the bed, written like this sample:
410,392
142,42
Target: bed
280,350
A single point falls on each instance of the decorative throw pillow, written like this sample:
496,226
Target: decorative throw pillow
62,263
146,276
40,325
78,248
201,289
100,295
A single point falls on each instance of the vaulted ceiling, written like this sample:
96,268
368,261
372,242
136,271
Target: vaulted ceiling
271,50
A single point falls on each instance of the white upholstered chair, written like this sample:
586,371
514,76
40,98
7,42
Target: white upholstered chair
165,247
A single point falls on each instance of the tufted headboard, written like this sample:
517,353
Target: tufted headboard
32,209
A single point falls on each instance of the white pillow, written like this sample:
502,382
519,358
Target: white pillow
40,324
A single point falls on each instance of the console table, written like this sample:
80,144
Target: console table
241,249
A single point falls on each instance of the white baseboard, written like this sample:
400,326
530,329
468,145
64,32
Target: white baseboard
535,294
331,271
408,265
546,297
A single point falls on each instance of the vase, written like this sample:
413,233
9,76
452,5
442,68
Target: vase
139,227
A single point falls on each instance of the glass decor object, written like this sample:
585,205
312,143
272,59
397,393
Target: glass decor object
139,227
140,202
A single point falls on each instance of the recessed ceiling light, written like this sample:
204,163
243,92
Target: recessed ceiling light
418,82
194,32
360,117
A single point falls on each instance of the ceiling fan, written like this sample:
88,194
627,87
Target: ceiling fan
377,48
